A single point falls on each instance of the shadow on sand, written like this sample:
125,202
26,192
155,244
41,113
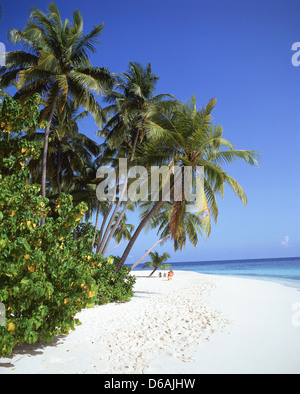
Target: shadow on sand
31,350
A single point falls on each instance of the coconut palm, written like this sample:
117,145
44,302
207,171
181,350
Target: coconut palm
184,136
190,227
70,153
123,232
131,104
157,261
55,63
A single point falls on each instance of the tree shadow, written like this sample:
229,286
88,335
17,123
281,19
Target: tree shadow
31,350
139,294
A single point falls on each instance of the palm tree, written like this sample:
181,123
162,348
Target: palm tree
189,227
55,63
185,136
123,232
70,153
132,103
157,261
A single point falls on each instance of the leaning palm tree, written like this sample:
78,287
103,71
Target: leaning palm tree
123,232
189,228
157,261
186,137
131,104
55,63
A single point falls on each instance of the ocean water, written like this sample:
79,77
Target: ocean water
284,270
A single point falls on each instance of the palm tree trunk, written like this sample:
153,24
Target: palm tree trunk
112,248
58,169
103,247
96,227
101,236
153,271
149,251
102,226
115,227
139,229
134,145
45,150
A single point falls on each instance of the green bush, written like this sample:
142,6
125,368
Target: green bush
114,286
46,276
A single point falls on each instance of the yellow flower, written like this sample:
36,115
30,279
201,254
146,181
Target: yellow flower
66,300
26,257
91,293
11,327
110,260
31,268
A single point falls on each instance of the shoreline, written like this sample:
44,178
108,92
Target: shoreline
196,323
293,283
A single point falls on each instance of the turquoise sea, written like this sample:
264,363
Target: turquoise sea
284,270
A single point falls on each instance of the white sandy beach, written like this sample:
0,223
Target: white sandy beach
193,324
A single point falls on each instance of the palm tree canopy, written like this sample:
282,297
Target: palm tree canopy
55,62
70,152
182,136
157,260
124,230
189,226
131,103
187,137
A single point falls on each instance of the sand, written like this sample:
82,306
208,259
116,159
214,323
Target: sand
193,324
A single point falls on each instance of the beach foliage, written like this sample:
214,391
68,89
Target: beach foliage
46,274
55,62
48,269
157,261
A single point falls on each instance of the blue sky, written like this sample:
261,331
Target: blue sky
240,53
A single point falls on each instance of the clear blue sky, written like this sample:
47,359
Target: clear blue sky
240,53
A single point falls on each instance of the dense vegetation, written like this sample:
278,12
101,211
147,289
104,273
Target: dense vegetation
46,274
52,260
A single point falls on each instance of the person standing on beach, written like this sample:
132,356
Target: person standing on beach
170,274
